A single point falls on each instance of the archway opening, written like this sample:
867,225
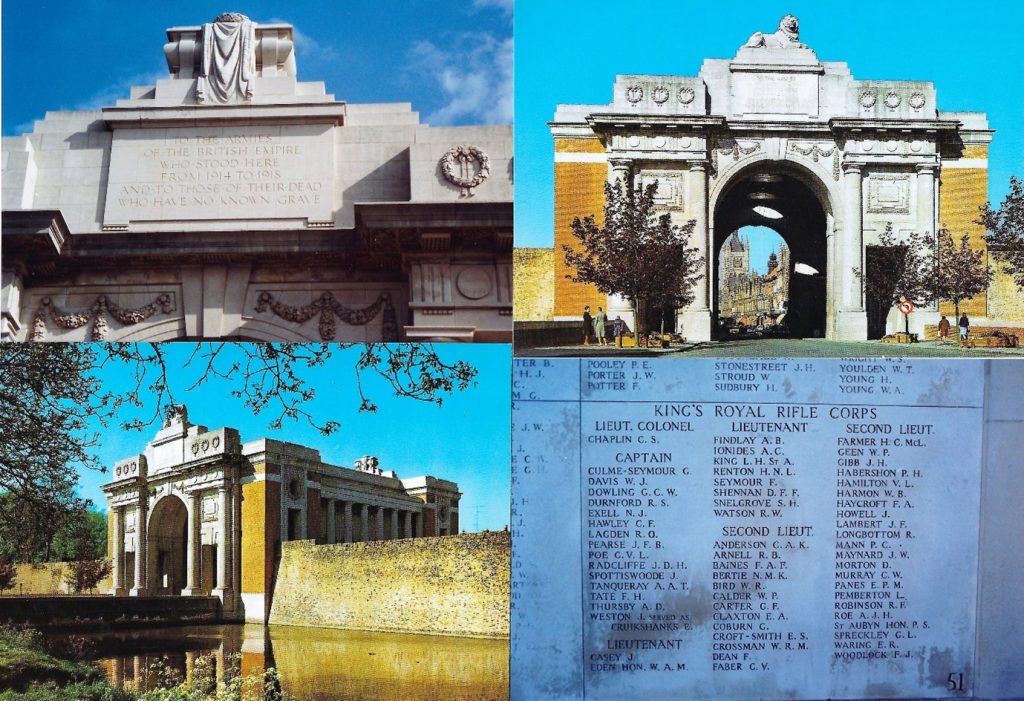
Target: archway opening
790,299
168,545
753,283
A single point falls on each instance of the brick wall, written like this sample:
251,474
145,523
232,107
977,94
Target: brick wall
962,191
454,585
533,283
579,191
48,578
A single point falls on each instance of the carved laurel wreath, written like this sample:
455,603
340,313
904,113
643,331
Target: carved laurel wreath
328,308
94,316
456,169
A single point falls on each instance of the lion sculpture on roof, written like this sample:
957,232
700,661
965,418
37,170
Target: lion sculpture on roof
786,37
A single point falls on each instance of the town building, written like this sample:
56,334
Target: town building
198,512
232,201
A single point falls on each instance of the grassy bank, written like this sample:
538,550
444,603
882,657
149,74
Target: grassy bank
29,672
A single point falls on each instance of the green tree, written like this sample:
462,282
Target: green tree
956,272
896,271
635,253
8,575
84,575
1006,231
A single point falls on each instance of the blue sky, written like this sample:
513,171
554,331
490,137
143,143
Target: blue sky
570,52
453,61
466,440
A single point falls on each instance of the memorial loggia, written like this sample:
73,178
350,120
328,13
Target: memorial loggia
231,200
199,512
750,529
775,137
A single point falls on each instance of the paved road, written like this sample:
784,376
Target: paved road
779,348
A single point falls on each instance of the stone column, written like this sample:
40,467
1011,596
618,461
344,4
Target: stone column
346,522
851,318
141,514
926,198
378,523
619,170
364,523
407,524
394,524
236,544
117,550
417,525
695,321
195,517
223,540
332,524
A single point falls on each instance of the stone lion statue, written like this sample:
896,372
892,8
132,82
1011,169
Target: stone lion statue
786,37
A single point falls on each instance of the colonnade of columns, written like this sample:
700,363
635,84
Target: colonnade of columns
375,522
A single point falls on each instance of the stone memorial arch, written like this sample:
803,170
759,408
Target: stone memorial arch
775,137
199,513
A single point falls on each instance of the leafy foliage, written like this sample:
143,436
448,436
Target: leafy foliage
1006,231
635,253
84,575
896,270
33,532
957,272
8,575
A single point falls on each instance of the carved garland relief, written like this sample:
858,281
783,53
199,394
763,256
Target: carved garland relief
735,150
328,308
94,316
814,152
457,166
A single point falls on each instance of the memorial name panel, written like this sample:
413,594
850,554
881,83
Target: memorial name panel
220,173
778,529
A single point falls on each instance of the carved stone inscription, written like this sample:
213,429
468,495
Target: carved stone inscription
755,529
236,173
775,93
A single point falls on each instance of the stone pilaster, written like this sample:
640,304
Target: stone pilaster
117,550
407,524
851,322
195,517
223,541
141,561
619,170
364,523
346,522
695,321
332,525
378,523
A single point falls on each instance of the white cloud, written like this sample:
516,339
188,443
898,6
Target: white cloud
474,76
121,90
503,5
306,46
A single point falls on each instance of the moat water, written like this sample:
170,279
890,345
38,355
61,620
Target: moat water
315,664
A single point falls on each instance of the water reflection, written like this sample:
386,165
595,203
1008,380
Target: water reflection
316,664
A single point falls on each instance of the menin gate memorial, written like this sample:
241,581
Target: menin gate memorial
776,137
199,512
231,200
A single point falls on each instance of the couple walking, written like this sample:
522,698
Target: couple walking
591,323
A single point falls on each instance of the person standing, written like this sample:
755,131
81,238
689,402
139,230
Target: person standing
943,327
588,328
601,320
965,327
617,329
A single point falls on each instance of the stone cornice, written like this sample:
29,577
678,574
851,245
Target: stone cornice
614,120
